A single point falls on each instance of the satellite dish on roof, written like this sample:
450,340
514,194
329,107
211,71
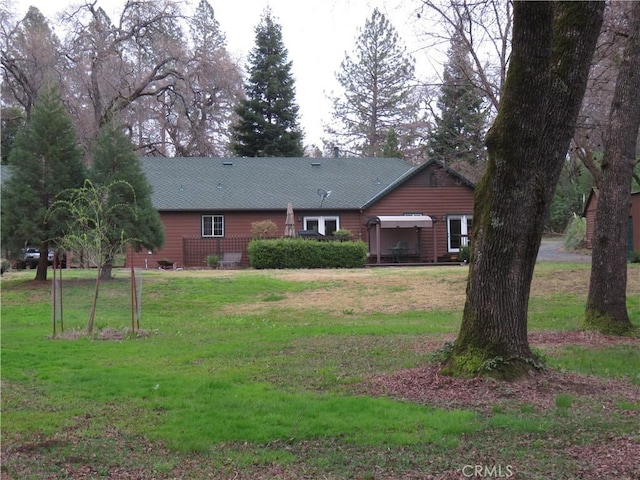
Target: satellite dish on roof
322,193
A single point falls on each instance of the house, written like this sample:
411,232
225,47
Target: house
420,214
633,238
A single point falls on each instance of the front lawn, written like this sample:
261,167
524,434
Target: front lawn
305,374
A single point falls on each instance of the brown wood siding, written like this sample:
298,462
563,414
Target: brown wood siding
449,197
433,176
179,225
634,213
176,226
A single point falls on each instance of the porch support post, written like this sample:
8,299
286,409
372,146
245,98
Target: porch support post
378,251
435,243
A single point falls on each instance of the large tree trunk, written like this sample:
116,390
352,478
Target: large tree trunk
106,269
41,272
606,309
552,48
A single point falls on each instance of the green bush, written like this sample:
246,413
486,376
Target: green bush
212,260
303,253
576,233
343,234
263,229
465,254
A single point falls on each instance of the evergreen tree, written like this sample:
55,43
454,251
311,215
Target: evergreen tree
378,92
115,163
390,147
44,163
205,30
11,121
268,124
460,129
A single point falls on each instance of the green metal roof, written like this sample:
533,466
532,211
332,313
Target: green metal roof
269,183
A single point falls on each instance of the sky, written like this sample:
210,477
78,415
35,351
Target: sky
316,33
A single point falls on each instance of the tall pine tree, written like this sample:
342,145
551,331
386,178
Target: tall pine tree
268,124
379,94
44,163
460,129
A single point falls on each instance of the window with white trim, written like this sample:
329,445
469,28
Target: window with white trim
322,225
213,225
458,231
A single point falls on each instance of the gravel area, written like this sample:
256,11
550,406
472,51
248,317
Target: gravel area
552,250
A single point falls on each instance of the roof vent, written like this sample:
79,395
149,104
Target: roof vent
315,164
228,164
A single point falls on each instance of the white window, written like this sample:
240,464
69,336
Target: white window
458,231
322,225
212,225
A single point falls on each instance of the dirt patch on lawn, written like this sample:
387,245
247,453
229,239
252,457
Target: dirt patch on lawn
370,291
402,289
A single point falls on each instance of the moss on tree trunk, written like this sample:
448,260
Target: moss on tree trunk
606,309
552,48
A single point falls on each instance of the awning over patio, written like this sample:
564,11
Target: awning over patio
417,222
402,221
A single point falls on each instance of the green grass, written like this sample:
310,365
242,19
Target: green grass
564,401
245,391
622,361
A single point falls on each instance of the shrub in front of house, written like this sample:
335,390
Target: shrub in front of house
303,253
264,229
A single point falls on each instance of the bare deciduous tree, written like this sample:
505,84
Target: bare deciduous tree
588,141
30,57
483,28
114,66
204,99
